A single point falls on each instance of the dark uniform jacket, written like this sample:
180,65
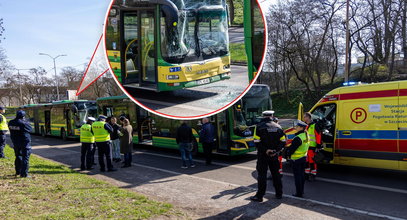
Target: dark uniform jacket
20,131
270,134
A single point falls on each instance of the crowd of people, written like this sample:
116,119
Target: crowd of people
111,139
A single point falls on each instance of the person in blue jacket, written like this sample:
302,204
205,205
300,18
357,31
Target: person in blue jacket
208,139
20,136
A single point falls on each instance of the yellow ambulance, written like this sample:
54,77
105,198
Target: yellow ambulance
364,125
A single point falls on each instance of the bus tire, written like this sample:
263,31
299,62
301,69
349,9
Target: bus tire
42,131
63,134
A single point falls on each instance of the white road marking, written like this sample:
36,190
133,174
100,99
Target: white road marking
270,192
252,188
290,174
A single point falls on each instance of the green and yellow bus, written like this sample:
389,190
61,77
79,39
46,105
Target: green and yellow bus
61,118
165,45
234,126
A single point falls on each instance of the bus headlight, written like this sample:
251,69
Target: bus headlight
227,66
172,77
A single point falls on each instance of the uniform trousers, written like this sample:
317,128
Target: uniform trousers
265,162
22,152
104,151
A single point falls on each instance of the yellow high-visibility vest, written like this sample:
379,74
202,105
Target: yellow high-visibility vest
86,134
301,150
3,124
312,136
99,131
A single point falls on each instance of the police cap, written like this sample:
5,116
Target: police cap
301,124
2,108
268,113
102,117
91,119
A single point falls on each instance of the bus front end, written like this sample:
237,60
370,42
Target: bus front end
166,45
246,114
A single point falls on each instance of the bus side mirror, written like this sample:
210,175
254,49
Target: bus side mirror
171,12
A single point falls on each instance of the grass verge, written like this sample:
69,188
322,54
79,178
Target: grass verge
237,52
57,192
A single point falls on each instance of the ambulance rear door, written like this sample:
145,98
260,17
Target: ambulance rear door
367,129
402,118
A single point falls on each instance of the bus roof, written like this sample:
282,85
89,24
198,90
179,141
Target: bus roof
69,101
112,98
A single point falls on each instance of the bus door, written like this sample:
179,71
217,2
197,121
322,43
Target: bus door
47,117
222,132
139,63
36,121
68,122
144,126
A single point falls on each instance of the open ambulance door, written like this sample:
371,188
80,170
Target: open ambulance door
300,111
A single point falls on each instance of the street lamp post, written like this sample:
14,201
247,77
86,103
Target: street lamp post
55,69
347,44
19,85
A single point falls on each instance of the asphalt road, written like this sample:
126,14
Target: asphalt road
236,35
197,100
340,192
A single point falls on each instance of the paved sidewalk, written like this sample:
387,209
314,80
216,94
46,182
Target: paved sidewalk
200,198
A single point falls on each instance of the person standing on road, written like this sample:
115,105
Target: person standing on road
102,131
20,136
270,140
185,140
208,139
297,152
126,142
314,145
114,136
3,131
88,141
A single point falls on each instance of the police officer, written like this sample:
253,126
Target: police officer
268,136
102,131
3,131
314,145
88,141
297,153
20,136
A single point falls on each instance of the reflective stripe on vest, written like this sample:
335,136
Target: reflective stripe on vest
312,137
3,124
86,134
101,134
301,150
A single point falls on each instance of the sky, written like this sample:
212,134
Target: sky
55,27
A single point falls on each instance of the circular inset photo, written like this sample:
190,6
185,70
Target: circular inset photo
185,58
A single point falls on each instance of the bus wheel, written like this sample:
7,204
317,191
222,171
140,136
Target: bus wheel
42,131
63,135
